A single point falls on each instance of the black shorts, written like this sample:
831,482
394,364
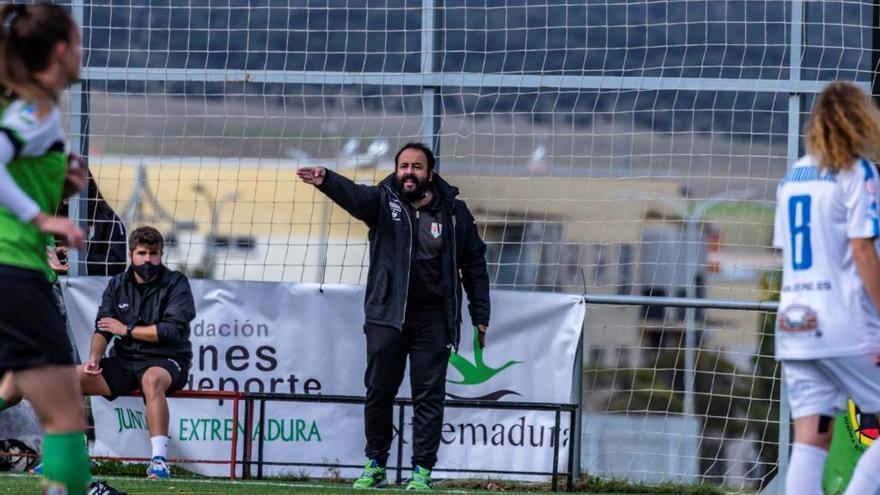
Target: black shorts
123,375
32,330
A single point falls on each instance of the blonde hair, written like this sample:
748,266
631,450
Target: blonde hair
844,125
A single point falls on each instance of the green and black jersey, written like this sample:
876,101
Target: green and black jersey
33,168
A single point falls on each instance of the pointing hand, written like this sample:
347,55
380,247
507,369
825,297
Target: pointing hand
312,175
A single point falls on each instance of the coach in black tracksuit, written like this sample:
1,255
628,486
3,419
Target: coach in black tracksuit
424,247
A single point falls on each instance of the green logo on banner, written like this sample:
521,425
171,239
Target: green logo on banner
477,372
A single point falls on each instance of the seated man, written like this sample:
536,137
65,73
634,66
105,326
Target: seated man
147,309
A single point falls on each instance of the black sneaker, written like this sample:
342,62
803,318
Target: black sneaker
102,488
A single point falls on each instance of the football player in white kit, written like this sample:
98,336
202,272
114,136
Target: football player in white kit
828,325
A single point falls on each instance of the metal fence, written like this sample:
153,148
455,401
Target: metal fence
605,177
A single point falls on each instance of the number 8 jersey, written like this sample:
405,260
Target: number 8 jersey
824,310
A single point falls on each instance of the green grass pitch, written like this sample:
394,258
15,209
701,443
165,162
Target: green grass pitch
30,485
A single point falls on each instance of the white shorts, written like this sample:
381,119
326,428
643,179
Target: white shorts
822,386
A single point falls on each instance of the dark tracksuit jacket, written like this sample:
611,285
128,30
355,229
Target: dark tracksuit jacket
396,239
166,302
391,221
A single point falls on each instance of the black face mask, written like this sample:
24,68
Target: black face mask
147,271
416,194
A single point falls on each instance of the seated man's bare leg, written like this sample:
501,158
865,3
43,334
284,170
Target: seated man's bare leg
92,384
154,383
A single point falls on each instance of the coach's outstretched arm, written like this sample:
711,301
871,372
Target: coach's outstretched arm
361,201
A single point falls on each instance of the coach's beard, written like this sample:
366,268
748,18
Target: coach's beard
416,193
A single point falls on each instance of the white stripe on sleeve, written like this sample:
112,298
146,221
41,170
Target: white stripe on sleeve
11,196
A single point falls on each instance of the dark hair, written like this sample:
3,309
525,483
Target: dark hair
28,35
145,236
416,146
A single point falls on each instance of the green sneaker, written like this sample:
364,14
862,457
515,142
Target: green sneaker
372,477
421,479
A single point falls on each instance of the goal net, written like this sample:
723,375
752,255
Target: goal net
609,148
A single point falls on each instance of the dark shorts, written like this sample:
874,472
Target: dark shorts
123,375
32,330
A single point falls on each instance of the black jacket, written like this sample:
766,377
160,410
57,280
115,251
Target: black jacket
167,302
390,220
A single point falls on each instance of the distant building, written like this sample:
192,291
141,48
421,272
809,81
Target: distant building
575,234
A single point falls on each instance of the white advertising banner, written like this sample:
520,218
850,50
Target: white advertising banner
306,339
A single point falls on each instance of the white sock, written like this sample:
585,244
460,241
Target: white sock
160,446
805,470
866,477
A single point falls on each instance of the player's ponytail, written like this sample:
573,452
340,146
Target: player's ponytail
844,125
28,35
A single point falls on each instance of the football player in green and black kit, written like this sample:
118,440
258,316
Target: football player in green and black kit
40,55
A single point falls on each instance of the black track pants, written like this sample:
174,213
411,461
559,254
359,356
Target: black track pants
426,343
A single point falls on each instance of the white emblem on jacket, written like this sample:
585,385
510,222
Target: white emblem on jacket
395,210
